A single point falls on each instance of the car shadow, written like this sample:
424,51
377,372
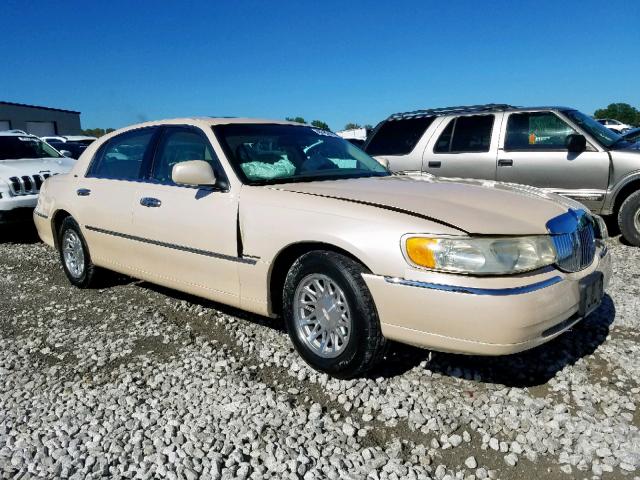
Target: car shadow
273,323
526,369
23,232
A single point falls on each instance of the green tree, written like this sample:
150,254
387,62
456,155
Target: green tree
352,126
96,132
368,126
622,112
320,124
295,119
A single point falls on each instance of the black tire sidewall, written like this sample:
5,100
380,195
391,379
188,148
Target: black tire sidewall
626,216
363,320
83,281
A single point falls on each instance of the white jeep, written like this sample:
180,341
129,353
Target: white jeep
25,163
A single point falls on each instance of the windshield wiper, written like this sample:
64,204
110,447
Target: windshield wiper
316,177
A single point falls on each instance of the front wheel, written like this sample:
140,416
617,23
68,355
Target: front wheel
330,314
629,219
74,255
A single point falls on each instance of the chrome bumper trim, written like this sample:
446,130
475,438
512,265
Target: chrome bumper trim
499,292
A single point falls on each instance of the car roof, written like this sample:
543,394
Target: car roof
209,121
9,133
469,109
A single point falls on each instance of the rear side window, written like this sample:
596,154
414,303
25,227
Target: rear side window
466,134
398,137
536,131
121,157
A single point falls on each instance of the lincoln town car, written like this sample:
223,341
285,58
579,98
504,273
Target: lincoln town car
287,220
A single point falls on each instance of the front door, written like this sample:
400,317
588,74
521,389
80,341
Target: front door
534,153
186,237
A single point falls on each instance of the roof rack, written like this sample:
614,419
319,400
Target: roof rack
449,110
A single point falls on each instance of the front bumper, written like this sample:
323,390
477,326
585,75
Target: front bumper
481,316
17,209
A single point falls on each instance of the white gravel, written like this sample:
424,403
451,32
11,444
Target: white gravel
135,381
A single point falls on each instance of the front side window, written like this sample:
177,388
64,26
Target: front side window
536,131
398,137
602,134
264,154
15,147
466,134
180,145
121,157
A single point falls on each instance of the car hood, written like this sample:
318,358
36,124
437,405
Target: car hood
473,206
33,166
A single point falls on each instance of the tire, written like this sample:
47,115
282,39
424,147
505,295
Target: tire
85,273
344,311
629,219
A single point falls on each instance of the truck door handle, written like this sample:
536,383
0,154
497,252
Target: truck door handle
150,202
83,192
505,162
434,164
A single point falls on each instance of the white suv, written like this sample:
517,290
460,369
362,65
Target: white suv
25,163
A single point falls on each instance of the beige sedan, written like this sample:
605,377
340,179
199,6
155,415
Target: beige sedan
285,219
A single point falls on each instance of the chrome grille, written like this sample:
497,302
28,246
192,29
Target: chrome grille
27,184
574,238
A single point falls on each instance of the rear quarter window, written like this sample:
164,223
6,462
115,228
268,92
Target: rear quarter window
398,137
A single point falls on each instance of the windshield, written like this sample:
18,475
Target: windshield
264,154
14,147
601,133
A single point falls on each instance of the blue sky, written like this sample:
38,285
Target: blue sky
122,62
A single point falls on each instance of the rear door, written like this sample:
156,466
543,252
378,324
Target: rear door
186,237
103,206
464,146
534,153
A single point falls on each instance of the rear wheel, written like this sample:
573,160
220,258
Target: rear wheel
330,314
629,219
74,255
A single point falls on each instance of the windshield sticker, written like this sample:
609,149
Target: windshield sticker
532,139
324,133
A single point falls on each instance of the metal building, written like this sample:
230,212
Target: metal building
40,121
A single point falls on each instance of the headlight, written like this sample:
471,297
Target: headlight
480,256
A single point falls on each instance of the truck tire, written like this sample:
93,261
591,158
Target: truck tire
629,219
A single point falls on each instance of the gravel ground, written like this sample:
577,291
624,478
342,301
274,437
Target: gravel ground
136,381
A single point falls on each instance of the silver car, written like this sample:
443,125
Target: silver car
558,149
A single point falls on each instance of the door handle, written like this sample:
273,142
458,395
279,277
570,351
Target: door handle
150,202
83,192
434,164
505,162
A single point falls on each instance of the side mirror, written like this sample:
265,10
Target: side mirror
193,173
576,143
66,153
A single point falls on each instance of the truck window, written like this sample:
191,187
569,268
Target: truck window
466,134
536,131
398,137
